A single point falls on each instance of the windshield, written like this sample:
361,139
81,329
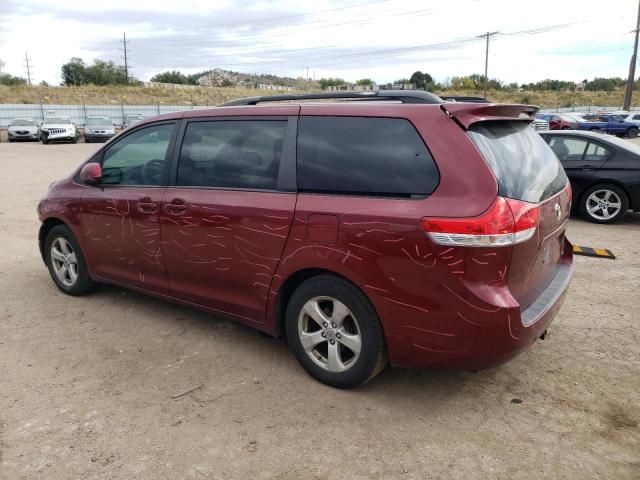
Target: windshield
102,121
524,165
23,123
56,120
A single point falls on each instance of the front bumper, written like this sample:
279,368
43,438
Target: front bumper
486,328
97,137
22,136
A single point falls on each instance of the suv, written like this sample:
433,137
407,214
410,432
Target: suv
410,230
58,129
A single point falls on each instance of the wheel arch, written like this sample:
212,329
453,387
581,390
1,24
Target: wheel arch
293,281
46,226
605,181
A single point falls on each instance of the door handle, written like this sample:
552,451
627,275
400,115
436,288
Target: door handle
587,168
145,205
176,207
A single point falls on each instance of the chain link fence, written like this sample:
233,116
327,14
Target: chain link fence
79,113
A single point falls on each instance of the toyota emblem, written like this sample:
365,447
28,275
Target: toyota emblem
558,211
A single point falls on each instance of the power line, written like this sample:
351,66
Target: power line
28,67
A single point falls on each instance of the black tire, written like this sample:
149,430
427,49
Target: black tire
83,284
45,140
74,140
632,132
372,356
597,217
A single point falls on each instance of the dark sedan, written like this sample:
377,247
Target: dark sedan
604,172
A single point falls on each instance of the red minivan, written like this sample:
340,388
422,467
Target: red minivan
395,228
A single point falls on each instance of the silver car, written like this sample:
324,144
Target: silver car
98,129
23,129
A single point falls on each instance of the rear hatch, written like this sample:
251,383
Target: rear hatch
528,171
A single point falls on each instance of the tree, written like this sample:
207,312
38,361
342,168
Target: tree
174,76
74,72
365,81
420,80
330,82
105,73
11,80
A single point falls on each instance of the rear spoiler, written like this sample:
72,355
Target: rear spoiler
466,114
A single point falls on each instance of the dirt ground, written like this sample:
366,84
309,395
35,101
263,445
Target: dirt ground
86,383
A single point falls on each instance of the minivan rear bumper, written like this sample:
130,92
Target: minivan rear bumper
488,326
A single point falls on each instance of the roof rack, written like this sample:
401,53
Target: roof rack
404,96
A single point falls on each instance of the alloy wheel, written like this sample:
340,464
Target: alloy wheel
329,334
64,261
603,204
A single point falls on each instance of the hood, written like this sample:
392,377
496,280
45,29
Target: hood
49,126
26,128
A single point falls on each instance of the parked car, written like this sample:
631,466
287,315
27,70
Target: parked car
604,172
428,233
132,119
98,129
539,124
632,117
58,129
22,129
559,121
612,124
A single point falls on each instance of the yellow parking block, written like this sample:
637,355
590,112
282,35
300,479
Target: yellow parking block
593,252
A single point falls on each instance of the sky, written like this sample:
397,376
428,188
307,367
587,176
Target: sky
383,40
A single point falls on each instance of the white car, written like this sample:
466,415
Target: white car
22,129
633,117
58,129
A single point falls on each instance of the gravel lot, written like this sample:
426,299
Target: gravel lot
86,383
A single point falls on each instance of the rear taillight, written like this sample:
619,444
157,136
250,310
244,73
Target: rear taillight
507,222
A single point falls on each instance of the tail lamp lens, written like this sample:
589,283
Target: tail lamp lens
506,222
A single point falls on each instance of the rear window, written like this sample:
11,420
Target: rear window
363,156
525,166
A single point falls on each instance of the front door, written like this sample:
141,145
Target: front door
226,221
120,216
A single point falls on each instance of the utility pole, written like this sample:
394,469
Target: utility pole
307,73
486,59
628,91
126,64
28,67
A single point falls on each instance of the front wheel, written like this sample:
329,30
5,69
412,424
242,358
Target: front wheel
334,332
66,262
604,204
632,133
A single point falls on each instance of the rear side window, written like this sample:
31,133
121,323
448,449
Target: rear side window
363,156
233,154
525,166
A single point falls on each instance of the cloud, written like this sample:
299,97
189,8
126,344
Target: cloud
333,38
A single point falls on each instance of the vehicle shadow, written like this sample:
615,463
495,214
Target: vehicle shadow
272,354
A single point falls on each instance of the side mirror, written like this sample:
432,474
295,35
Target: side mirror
91,173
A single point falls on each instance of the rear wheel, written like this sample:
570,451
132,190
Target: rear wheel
66,262
74,140
604,203
334,332
632,132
